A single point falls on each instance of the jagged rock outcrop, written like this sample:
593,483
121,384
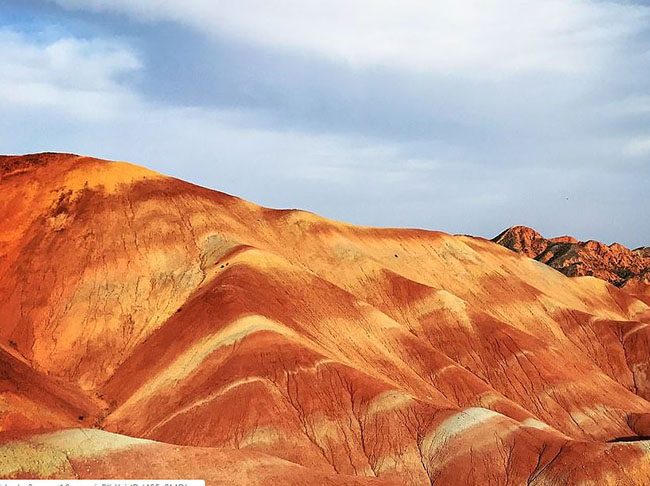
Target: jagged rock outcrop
614,263
157,327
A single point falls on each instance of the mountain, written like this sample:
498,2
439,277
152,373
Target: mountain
614,263
153,328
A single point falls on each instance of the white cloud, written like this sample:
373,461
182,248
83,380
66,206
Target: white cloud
75,95
638,105
639,147
459,37
81,77
73,89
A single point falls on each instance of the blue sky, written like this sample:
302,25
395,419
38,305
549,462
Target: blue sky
466,116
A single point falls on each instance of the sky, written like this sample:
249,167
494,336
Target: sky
465,116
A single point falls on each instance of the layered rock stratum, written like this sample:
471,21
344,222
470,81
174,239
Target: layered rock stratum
153,328
614,263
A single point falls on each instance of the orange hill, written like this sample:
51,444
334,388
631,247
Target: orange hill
151,327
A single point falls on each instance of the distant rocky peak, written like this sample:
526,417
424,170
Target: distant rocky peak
614,263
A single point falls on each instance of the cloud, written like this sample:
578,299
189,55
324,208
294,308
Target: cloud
639,147
467,122
72,95
74,98
478,38
80,77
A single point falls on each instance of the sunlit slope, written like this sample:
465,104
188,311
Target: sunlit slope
195,318
94,454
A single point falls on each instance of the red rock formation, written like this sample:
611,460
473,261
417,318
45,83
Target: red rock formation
200,335
564,239
614,263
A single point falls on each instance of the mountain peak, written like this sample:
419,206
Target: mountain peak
521,239
18,163
614,263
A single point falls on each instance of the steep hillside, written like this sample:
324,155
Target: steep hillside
253,345
614,263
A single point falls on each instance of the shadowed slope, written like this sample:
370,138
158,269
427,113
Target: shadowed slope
30,400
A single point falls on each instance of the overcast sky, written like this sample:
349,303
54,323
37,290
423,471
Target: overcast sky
466,116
